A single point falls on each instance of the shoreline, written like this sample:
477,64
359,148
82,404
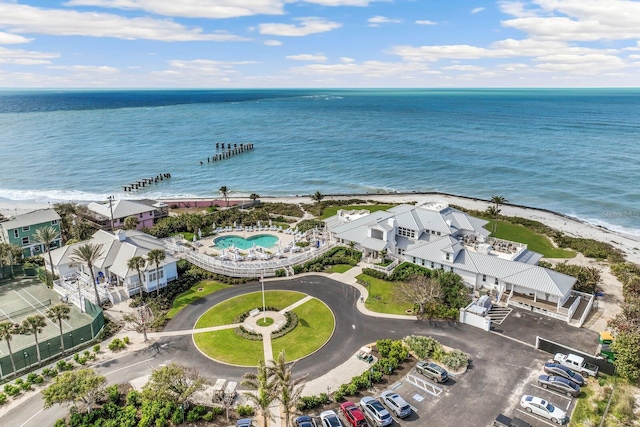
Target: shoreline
572,226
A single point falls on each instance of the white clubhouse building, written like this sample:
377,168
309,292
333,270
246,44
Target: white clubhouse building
436,236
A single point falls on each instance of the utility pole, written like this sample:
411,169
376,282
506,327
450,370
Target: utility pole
111,198
264,315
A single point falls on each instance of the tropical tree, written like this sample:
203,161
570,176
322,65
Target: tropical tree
46,236
288,388
317,197
156,256
7,330
89,254
498,200
174,383
194,222
421,291
58,313
9,255
139,320
224,191
254,197
84,385
264,388
493,212
131,222
34,325
137,263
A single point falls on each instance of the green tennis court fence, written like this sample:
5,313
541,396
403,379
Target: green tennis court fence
17,313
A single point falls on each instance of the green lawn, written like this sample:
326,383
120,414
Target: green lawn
382,297
187,297
315,327
332,210
339,268
535,242
225,312
228,347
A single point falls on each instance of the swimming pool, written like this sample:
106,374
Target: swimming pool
265,240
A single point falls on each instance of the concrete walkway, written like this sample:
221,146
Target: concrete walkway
296,304
192,331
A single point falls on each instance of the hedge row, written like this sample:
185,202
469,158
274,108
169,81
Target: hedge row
428,348
337,255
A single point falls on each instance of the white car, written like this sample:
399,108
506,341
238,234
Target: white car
375,411
538,406
330,419
396,403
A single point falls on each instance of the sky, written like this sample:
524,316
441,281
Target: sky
319,43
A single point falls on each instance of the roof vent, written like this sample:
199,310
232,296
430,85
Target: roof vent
121,235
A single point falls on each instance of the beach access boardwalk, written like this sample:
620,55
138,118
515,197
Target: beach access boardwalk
266,268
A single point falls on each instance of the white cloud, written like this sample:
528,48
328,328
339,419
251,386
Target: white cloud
377,20
516,8
25,57
367,69
346,60
476,10
308,25
7,38
307,57
86,69
273,42
361,3
214,9
26,19
464,68
426,22
576,20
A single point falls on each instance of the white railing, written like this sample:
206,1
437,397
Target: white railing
573,308
253,268
550,313
587,310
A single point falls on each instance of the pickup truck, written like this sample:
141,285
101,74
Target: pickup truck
353,414
576,363
504,421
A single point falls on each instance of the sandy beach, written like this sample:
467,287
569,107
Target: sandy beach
629,244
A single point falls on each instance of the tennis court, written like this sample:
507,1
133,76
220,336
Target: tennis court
26,296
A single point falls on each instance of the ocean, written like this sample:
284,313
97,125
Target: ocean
574,151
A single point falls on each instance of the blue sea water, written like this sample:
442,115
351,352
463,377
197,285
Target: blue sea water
573,151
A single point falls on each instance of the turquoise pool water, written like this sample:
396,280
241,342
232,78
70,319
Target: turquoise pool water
265,240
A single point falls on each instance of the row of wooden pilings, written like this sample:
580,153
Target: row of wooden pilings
146,181
229,151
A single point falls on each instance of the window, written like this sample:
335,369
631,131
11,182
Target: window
414,259
16,233
424,263
27,228
496,281
140,215
406,232
451,269
36,248
54,222
484,277
447,257
433,264
25,240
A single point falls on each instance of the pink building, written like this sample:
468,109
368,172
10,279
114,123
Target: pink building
147,212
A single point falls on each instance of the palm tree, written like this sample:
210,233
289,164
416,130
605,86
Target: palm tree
89,254
46,236
263,383
137,263
224,190
131,222
58,313
254,197
498,200
493,211
288,388
34,325
317,197
155,256
7,329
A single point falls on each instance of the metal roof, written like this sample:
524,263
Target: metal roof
31,218
121,208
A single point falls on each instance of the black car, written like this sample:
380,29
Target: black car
304,421
562,371
560,384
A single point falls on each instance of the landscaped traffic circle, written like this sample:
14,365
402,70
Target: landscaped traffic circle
313,328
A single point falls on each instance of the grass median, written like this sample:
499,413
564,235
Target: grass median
197,291
382,296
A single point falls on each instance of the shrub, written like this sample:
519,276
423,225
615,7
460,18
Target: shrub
117,344
113,393
455,360
11,390
245,410
96,348
423,347
50,372
208,416
60,423
196,413
383,347
372,272
177,417
23,384
3,398
134,398
126,340
281,272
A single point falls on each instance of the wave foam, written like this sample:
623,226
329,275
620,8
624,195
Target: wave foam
55,196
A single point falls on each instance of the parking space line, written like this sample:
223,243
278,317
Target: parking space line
537,418
564,396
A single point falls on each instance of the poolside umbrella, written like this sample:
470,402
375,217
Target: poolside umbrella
270,224
199,234
259,224
234,224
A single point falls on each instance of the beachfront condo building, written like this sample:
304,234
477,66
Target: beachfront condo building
437,236
20,231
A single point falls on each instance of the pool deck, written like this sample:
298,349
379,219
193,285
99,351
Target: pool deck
208,245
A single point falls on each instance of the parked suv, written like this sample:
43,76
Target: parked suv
375,411
432,371
353,414
396,403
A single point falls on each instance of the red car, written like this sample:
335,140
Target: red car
353,414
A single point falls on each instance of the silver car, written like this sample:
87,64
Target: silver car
538,406
330,419
396,403
375,411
